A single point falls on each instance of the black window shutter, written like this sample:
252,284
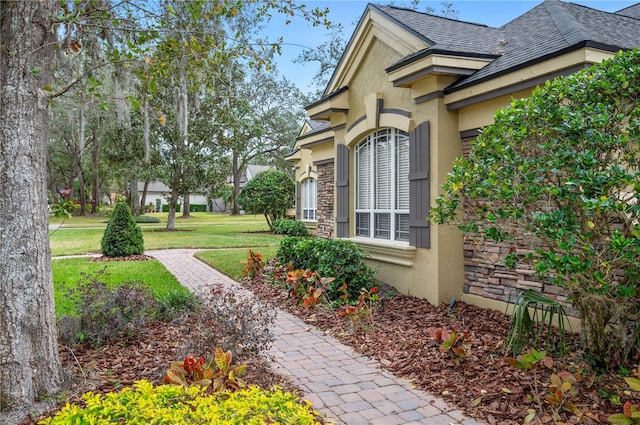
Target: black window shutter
298,197
342,191
419,232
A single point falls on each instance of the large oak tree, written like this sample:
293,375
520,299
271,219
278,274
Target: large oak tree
29,361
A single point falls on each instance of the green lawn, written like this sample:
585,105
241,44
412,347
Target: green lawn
67,272
229,237
80,235
233,261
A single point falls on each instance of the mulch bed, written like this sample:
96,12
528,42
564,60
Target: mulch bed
483,385
141,257
146,356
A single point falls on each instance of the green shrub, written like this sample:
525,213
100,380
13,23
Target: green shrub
554,182
64,209
165,208
123,236
288,227
271,193
198,207
146,219
330,258
174,404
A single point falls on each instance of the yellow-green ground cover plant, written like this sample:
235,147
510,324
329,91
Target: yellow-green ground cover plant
146,404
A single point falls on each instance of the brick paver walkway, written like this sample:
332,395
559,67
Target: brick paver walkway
346,387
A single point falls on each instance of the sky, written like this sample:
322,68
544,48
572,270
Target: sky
299,34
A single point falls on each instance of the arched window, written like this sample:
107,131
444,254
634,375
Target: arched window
382,185
309,199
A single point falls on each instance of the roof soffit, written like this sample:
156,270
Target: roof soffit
527,77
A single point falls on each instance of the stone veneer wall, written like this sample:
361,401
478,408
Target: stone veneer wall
324,211
488,277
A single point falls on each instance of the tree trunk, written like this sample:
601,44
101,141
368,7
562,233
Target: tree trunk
143,198
30,364
186,206
95,160
53,190
135,195
82,194
173,202
236,184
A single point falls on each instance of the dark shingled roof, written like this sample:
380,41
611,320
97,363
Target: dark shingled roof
444,33
549,29
631,11
316,127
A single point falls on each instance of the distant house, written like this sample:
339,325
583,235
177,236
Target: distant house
157,192
409,94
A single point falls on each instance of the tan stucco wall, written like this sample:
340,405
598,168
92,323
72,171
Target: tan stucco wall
372,78
481,114
304,166
436,273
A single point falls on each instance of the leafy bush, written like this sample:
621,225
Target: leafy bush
308,286
122,237
165,208
556,176
175,404
198,207
288,227
225,320
108,314
63,209
217,374
146,219
271,193
336,258
255,264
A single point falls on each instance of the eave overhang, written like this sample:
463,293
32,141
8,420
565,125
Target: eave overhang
531,74
435,62
336,102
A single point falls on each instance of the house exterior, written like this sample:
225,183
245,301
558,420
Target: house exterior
409,94
157,192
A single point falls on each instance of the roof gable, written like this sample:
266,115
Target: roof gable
374,25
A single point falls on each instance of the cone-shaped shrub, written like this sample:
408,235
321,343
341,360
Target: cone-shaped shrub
122,236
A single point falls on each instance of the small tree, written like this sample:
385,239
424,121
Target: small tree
123,236
271,193
558,174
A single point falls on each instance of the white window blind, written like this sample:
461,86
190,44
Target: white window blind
363,175
309,199
382,185
382,159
